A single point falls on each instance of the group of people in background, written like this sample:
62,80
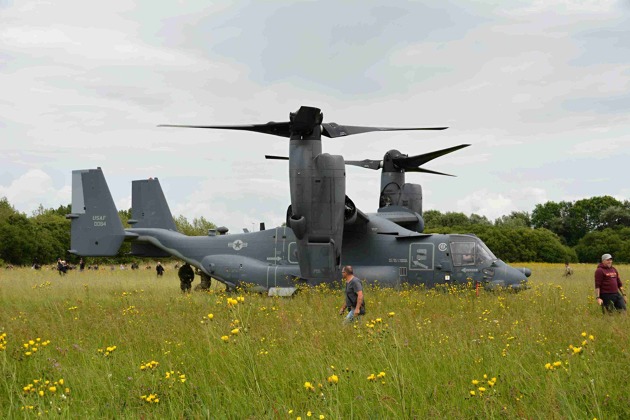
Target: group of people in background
609,292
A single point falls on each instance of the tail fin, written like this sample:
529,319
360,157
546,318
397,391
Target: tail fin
96,229
149,208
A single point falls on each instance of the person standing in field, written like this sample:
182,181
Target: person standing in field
568,271
186,277
354,302
62,266
159,269
608,287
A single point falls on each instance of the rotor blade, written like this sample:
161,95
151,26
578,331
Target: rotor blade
408,163
366,163
274,128
428,171
333,130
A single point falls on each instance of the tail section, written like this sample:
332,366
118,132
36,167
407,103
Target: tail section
149,208
96,229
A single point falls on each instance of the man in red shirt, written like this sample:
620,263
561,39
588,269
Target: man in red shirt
608,286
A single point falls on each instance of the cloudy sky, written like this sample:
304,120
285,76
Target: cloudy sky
540,89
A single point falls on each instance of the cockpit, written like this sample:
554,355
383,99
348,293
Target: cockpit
469,251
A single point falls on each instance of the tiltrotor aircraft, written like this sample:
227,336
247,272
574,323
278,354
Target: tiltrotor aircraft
324,229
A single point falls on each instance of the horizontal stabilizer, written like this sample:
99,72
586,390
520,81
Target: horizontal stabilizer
96,229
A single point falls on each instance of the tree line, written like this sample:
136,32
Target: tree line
578,231
45,235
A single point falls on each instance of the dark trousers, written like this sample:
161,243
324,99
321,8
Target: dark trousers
612,301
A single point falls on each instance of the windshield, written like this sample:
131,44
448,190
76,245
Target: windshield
484,252
470,251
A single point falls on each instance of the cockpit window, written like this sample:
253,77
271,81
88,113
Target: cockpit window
463,253
470,252
484,254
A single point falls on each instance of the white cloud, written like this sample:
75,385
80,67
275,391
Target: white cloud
535,87
494,205
33,188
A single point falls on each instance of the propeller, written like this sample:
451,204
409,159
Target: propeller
399,161
394,161
303,122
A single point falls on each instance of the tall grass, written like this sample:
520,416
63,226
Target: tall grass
125,344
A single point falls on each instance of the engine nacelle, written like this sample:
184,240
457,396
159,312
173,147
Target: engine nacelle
409,196
317,214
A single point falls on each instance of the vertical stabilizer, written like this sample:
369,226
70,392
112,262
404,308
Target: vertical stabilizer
96,229
149,208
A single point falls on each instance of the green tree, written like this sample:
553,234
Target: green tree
518,244
612,241
432,218
198,227
50,232
125,247
552,216
454,219
477,219
594,244
16,244
615,216
585,216
515,219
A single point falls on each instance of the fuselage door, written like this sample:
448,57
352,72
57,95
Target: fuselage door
444,265
421,262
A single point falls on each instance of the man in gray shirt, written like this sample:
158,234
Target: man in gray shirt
354,303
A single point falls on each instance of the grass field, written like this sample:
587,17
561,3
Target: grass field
123,344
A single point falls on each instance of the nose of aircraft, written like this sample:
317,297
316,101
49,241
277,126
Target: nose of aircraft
509,277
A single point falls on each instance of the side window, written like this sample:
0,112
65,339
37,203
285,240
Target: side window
463,253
